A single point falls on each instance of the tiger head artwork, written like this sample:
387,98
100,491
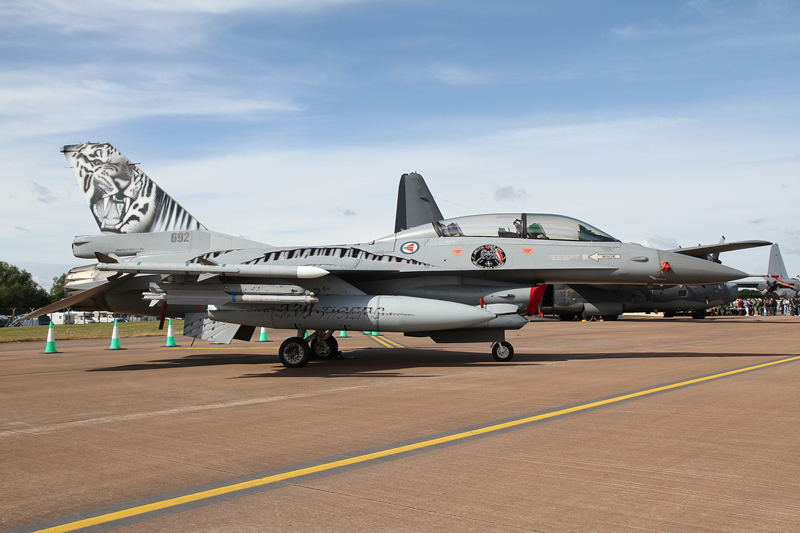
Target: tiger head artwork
122,198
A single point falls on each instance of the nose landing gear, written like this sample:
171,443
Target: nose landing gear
502,351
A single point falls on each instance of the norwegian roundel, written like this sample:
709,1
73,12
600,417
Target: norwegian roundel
409,247
488,256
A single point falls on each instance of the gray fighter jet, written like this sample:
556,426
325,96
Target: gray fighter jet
466,279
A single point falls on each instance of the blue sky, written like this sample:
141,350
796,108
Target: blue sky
291,121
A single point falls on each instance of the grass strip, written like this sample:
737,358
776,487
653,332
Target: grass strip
87,331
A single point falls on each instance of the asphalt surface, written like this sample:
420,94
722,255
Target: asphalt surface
633,425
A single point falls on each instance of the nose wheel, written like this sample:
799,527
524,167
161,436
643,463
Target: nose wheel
502,351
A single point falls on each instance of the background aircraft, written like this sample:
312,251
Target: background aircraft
467,279
584,301
777,283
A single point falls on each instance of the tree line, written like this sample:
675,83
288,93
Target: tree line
20,294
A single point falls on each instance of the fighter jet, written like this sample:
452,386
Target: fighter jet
777,283
466,279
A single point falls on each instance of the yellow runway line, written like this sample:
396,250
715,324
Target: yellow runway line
202,495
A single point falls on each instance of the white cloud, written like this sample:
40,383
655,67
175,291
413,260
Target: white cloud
148,25
56,100
657,241
510,193
447,74
42,193
84,15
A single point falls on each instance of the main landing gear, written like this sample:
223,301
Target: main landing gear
502,351
323,348
295,352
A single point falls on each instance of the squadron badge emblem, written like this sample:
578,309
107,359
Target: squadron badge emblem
488,256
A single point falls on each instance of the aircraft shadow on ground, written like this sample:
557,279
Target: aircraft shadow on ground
381,362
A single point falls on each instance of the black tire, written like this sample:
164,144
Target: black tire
324,349
567,317
294,353
610,318
698,315
502,352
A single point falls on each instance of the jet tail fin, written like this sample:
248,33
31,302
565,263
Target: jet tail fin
776,268
415,203
123,199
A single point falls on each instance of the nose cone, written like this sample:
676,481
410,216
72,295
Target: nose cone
687,270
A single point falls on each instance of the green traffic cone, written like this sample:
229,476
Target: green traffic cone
50,347
343,333
170,336
115,338
263,336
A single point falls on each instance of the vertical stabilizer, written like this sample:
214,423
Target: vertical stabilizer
415,203
776,268
122,198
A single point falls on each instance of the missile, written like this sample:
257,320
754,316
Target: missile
357,313
196,297
196,269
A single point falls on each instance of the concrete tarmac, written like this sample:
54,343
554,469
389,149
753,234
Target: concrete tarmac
224,438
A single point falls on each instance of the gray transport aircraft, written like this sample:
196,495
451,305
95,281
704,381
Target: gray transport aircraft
777,283
466,279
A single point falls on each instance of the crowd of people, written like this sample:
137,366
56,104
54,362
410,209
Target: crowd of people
763,307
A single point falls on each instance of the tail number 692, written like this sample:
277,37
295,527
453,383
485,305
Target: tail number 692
180,237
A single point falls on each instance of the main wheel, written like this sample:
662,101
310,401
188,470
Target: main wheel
610,318
699,314
324,349
502,351
294,353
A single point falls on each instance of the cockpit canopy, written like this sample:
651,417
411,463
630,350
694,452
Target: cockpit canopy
522,226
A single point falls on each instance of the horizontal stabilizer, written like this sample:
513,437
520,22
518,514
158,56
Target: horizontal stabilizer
75,299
